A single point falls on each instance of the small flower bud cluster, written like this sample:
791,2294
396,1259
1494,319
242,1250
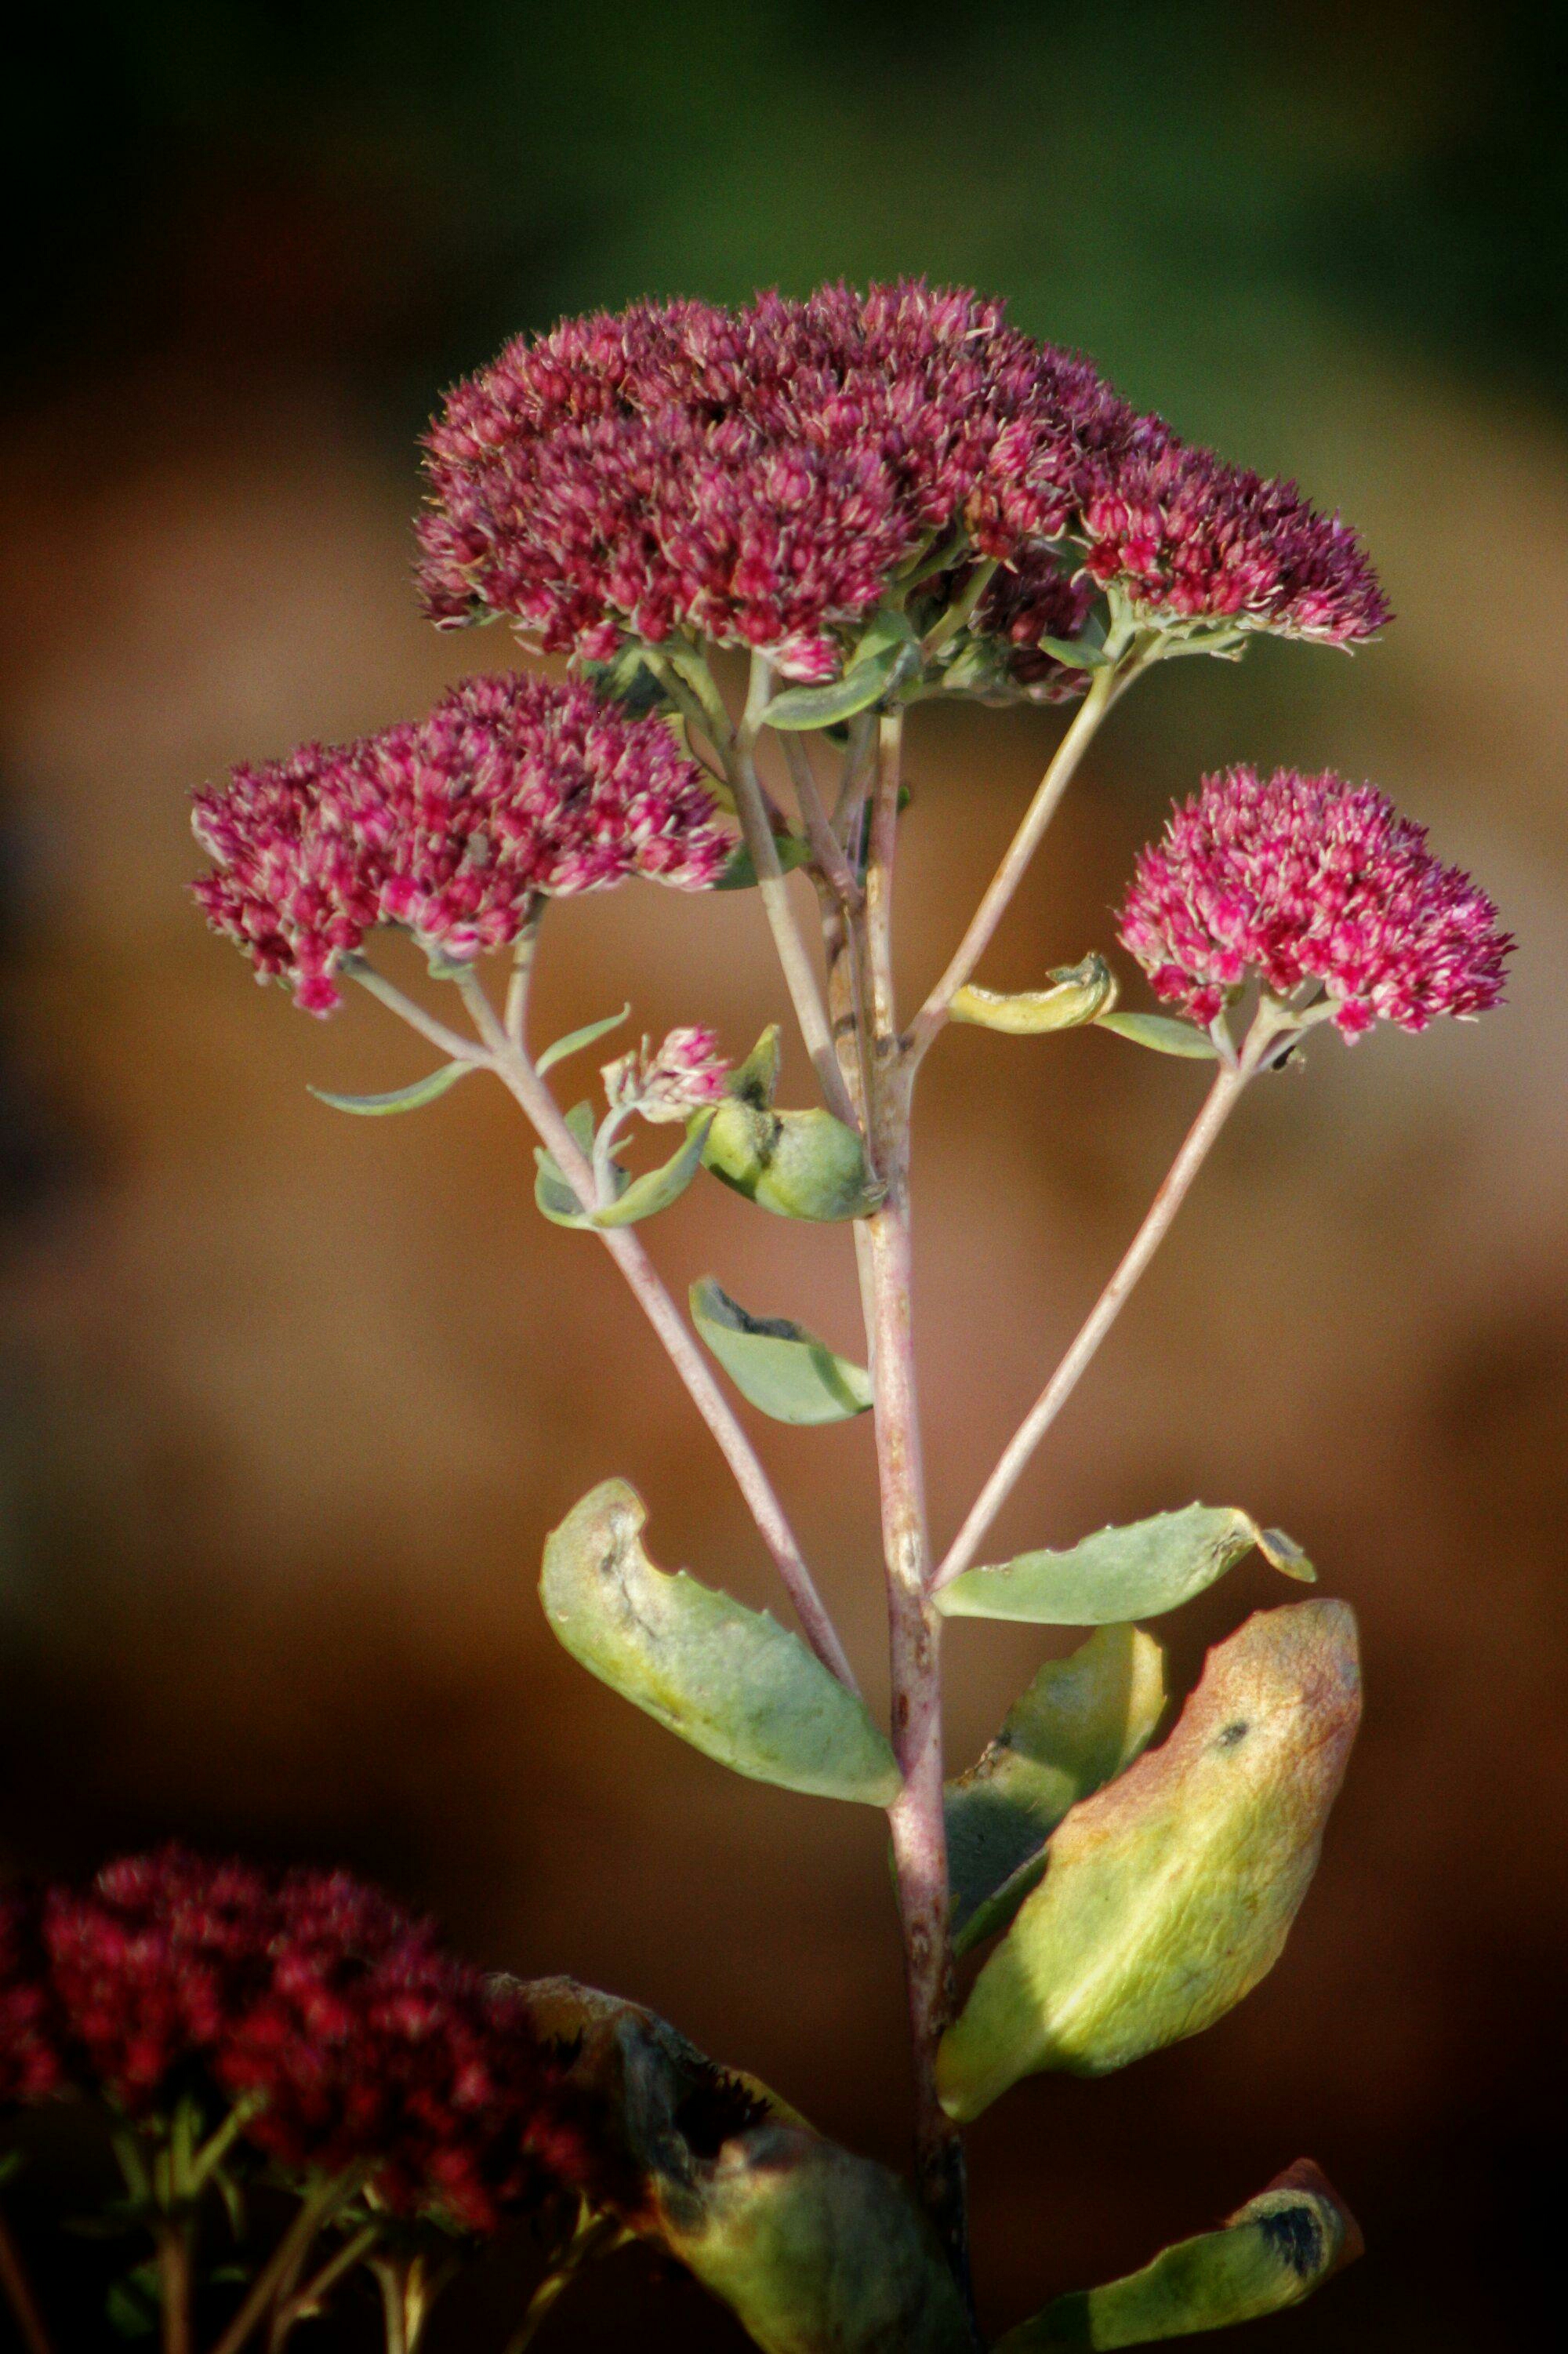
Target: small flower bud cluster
762,476
450,826
686,1074
1299,879
352,2038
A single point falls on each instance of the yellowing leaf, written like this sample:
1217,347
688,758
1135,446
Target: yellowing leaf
1169,1894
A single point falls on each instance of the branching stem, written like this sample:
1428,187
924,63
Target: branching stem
1222,1099
19,2295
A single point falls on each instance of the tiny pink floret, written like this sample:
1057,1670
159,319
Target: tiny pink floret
450,826
1300,879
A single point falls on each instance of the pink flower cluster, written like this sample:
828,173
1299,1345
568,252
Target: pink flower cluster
1297,879
760,476
451,826
685,1074
359,2039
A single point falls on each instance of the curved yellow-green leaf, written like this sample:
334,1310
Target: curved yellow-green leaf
730,1681
1160,1033
412,1098
781,1368
1169,1894
1082,1721
1269,2254
1138,1572
1078,993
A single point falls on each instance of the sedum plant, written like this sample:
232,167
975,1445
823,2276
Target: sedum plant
762,539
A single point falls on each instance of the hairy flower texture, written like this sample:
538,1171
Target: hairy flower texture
1301,879
353,2040
29,2043
756,476
686,1074
1188,537
450,826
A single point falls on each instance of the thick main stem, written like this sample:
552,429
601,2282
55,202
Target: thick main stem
1218,1105
916,1817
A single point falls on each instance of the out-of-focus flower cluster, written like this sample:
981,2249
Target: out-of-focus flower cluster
761,477
685,1074
451,826
1300,879
350,2037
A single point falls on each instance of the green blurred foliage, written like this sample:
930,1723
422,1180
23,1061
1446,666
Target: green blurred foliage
1182,186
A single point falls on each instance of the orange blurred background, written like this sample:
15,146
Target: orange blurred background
290,1401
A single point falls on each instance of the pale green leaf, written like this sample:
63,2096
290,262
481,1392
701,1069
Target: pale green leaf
780,1367
575,1040
820,706
1081,1721
1137,1572
646,1196
1159,1032
1271,2253
1169,1894
552,1193
1074,653
409,1098
730,1681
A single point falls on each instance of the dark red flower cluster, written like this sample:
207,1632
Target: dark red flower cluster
357,2039
1297,879
450,826
760,476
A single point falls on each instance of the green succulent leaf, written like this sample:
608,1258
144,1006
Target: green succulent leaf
552,1194
645,1196
409,1099
815,2251
1137,1572
1074,653
798,1164
1269,2254
1081,1723
778,1366
575,1040
886,654
740,875
1076,994
1169,1894
1159,1032
730,1681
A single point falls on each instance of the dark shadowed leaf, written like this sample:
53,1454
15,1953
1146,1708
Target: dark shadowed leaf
781,1368
730,1681
1080,1723
1169,1894
1270,2253
1137,1572
409,1098
740,875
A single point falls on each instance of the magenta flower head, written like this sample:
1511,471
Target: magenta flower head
450,826
1295,880
759,476
1188,538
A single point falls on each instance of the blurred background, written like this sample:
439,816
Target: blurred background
288,1401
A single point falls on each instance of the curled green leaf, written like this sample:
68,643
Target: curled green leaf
798,1164
646,1196
1082,1722
1138,1572
730,1681
886,653
575,1040
1271,2253
409,1098
779,1367
1160,1033
1076,994
1170,1894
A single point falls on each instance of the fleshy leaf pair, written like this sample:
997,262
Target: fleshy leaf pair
798,1164
730,1681
1168,1894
